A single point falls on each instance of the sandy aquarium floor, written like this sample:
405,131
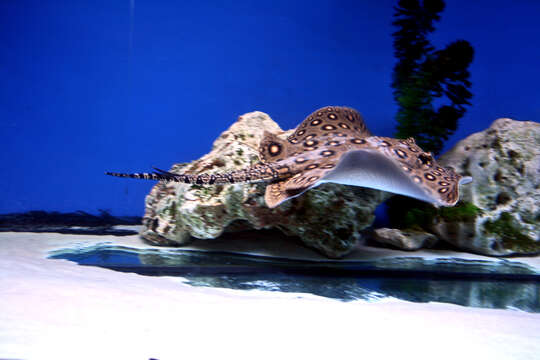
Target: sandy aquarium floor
56,309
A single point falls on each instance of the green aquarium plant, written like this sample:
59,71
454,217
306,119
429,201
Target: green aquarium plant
424,75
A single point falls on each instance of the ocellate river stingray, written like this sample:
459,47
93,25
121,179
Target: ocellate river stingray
334,145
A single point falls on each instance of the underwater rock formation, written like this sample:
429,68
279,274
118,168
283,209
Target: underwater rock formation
405,240
504,161
499,212
327,218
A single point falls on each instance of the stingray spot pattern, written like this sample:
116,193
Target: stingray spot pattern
306,159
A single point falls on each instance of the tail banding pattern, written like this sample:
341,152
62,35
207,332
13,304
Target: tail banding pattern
257,173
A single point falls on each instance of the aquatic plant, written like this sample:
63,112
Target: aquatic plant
423,74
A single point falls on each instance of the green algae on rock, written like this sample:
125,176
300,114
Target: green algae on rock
501,216
499,212
512,235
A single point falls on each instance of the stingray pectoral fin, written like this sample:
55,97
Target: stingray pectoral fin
276,193
373,168
286,189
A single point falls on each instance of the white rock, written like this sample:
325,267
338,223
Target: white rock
405,240
504,162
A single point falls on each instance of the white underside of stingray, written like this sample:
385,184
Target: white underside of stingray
371,169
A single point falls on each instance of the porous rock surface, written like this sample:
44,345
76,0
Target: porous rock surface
504,162
327,218
405,240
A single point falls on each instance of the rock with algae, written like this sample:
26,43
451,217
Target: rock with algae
500,210
327,218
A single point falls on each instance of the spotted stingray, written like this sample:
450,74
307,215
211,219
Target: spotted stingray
334,145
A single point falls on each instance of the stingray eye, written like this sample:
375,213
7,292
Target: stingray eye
425,158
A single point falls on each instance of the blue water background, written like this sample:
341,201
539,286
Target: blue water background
89,86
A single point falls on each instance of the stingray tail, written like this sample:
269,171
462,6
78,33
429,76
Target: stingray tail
259,172
159,175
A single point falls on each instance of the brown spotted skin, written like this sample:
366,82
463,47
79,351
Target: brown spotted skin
439,182
314,149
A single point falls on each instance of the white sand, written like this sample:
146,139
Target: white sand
56,309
